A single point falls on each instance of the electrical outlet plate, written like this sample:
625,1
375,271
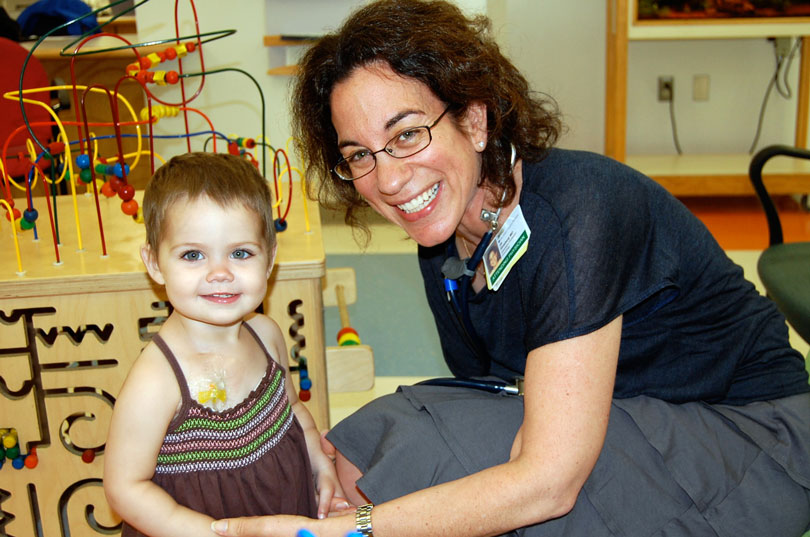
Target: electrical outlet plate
665,88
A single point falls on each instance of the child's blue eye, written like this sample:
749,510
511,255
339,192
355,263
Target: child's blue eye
241,254
192,255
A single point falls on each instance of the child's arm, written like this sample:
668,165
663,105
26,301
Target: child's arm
143,410
330,494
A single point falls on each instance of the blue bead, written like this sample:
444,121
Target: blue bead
83,161
117,170
31,215
18,463
280,224
303,373
304,533
306,384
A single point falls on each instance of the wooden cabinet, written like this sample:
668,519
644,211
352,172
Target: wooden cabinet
700,174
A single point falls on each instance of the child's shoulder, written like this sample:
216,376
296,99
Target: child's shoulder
269,333
264,326
151,373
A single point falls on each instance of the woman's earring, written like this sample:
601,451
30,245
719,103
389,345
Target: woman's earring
481,144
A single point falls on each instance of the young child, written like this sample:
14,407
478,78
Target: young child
207,425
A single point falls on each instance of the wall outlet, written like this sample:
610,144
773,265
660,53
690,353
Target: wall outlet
665,88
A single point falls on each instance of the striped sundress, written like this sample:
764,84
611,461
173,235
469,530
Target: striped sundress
244,461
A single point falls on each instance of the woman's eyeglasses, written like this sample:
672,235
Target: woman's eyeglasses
405,144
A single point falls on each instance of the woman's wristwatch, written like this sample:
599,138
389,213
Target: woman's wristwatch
362,520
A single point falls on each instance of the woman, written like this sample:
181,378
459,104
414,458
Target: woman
661,395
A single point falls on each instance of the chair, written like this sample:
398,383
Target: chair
12,57
784,268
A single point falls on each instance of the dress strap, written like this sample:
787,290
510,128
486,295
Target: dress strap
253,333
178,372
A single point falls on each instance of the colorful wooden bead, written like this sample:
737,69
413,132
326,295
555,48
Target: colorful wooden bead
83,161
348,339
31,215
130,207
107,190
12,452
88,455
120,171
126,192
305,395
10,439
15,212
86,175
347,330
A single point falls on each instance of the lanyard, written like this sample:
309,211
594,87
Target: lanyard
458,274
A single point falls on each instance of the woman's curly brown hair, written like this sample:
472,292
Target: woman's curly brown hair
433,42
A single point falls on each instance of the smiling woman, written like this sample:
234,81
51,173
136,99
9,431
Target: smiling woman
650,365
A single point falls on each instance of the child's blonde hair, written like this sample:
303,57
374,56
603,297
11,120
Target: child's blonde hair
223,178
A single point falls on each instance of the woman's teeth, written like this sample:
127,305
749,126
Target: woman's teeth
421,201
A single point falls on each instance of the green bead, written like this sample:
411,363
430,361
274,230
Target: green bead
86,175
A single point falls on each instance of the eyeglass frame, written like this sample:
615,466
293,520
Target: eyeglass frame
373,154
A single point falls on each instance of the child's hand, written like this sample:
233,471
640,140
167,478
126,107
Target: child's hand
331,498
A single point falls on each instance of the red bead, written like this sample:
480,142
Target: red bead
130,207
172,77
142,76
190,46
347,330
171,53
126,192
305,395
146,63
17,215
107,190
31,460
115,183
89,455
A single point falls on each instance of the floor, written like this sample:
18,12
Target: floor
738,224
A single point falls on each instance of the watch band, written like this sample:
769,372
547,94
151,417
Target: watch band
362,520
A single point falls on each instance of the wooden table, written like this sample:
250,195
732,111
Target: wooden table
69,332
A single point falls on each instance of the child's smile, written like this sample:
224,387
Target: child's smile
213,261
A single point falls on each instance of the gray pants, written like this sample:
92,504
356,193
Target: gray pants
665,470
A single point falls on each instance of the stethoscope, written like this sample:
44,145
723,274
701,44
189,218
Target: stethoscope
458,274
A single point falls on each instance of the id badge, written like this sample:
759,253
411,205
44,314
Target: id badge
509,245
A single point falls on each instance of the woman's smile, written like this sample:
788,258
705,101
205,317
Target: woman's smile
421,201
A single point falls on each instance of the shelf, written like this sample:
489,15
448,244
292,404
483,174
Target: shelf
691,175
716,28
720,174
287,41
